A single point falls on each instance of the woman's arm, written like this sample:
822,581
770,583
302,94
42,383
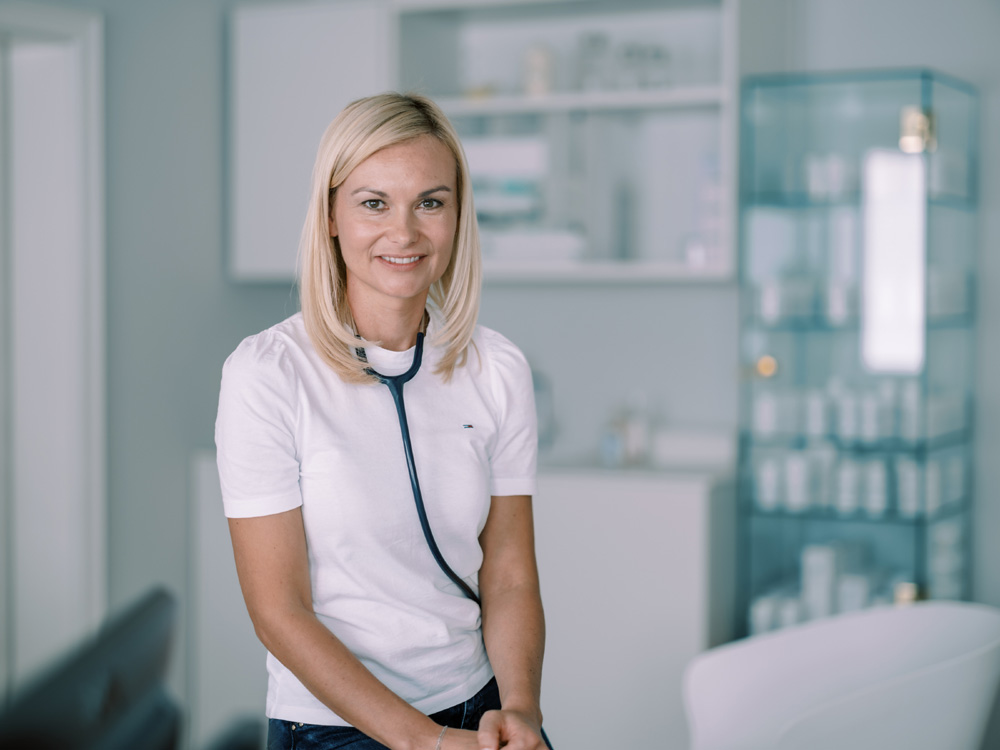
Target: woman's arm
513,624
273,567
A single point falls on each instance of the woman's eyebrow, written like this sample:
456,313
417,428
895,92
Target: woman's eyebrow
438,189
381,194
373,191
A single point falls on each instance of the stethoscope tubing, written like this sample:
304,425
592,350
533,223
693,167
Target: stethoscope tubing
395,385
396,389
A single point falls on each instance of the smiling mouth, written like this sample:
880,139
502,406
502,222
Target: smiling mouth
401,261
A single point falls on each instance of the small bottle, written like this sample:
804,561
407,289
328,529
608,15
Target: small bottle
907,487
797,482
876,488
593,61
538,67
767,482
789,611
763,614
636,429
611,447
868,418
765,413
904,592
847,486
847,416
909,426
815,413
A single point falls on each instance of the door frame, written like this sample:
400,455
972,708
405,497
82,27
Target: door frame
84,32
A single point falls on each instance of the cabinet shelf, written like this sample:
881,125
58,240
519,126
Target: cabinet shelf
679,97
625,272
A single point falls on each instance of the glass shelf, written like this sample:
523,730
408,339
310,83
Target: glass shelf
828,515
799,201
819,325
893,446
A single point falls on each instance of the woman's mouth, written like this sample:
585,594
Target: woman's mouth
401,261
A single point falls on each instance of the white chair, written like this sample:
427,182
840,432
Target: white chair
920,677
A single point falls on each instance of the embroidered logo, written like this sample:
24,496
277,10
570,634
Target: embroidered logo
467,427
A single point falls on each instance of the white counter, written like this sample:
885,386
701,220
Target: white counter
637,571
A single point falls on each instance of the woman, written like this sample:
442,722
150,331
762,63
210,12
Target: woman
370,644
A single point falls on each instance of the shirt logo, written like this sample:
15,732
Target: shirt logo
467,427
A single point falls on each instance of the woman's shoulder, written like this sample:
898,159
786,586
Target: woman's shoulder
493,340
274,350
497,351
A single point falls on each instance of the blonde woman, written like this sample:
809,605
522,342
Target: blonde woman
370,643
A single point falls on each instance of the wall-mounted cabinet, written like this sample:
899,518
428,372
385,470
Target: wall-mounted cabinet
600,133
858,210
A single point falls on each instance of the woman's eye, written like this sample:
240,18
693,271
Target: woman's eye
373,203
430,203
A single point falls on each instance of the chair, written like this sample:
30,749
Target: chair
920,677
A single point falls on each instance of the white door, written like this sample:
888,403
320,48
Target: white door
53,572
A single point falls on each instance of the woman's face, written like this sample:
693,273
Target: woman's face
395,217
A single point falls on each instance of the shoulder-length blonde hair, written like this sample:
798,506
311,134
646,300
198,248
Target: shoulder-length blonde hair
362,128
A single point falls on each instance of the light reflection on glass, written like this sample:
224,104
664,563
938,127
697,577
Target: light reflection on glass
893,297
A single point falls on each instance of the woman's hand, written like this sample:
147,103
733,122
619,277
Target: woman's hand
460,739
509,729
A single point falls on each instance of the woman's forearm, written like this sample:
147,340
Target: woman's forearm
514,633
273,566
337,678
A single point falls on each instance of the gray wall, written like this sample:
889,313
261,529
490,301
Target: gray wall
173,315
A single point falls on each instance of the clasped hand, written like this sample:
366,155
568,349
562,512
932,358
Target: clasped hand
511,730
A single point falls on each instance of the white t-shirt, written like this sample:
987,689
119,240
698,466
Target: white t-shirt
291,433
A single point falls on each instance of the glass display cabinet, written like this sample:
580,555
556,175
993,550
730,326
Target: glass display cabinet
858,251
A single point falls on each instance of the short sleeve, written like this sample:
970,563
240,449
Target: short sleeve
255,430
515,454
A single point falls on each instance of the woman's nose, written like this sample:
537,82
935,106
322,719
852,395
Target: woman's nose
404,229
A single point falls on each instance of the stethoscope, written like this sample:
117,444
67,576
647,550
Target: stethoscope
395,385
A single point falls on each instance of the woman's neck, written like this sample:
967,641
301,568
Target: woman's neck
395,330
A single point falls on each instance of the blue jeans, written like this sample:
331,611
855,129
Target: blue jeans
290,735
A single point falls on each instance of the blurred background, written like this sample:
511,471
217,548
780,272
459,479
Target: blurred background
155,172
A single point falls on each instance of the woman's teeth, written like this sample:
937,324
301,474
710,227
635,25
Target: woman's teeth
401,261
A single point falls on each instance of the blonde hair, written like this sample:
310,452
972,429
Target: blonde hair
362,128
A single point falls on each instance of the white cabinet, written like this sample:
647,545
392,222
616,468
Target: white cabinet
601,133
637,572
